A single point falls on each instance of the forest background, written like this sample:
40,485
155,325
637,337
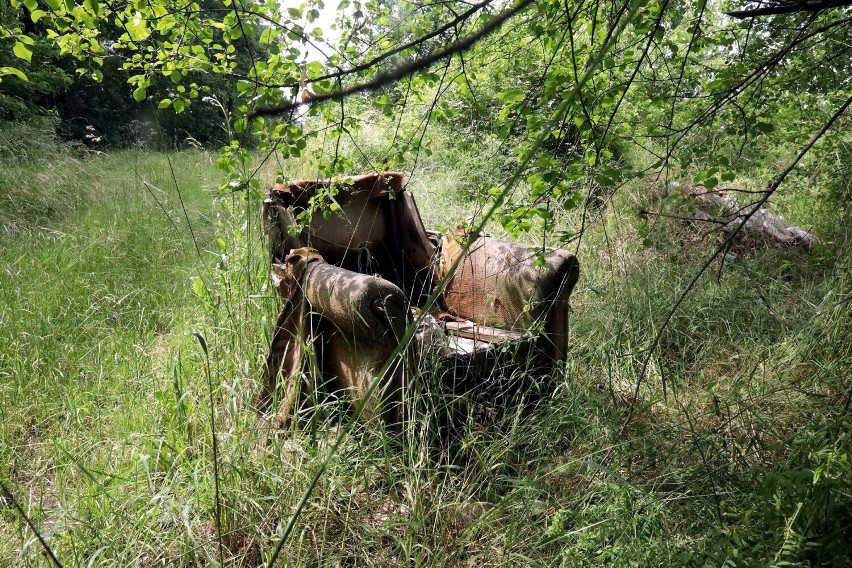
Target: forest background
703,416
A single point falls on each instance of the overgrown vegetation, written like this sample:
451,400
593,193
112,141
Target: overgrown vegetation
703,417
114,331
93,104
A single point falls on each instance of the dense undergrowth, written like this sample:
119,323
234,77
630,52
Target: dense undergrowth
135,311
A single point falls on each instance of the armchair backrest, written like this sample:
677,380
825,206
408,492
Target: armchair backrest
368,224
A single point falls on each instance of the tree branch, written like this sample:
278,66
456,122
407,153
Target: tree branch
413,43
789,7
403,70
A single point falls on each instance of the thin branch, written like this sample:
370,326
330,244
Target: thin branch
30,523
413,43
383,79
789,8
636,69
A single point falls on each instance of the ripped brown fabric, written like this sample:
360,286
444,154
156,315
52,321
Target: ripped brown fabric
288,339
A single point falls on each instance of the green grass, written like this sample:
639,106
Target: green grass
89,306
105,422
41,179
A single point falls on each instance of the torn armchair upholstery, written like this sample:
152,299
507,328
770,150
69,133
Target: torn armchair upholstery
354,275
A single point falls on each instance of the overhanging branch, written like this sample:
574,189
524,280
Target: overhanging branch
788,7
403,70
413,43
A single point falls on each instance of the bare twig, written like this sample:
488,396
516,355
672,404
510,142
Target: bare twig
23,514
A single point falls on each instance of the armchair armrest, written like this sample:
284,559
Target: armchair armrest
355,322
365,318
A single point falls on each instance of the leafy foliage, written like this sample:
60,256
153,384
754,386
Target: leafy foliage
81,73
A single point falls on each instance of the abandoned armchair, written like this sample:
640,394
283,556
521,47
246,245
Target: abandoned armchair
355,278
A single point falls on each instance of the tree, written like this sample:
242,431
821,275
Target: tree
689,63
81,71
25,87
570,83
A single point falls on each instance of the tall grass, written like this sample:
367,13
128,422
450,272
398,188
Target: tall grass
88,310
107,436
41,179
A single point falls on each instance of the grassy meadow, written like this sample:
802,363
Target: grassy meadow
135,311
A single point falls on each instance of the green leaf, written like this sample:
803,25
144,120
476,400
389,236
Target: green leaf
37,15
22,52
140,93
512,95
604,180
13,71
137,29
199,288
267,36
314,69
591,157
165,103
179,105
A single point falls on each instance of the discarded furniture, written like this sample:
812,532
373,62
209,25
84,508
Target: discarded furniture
754,227
354,275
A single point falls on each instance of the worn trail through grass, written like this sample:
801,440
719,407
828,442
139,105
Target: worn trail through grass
88,301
